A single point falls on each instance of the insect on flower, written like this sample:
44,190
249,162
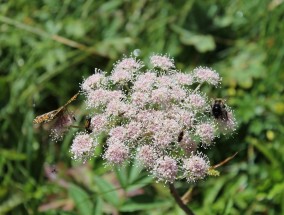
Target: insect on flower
88,125
49,116
180,136
218,109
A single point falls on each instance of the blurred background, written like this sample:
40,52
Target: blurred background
48,46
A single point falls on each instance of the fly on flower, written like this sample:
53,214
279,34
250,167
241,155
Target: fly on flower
49,116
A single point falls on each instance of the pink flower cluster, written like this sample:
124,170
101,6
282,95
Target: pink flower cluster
204,74
157,116
82,147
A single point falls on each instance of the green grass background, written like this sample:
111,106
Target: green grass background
48,46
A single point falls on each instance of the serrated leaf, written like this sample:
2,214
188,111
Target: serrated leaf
141,182
134,173
122,176
81,199
99,207
107,191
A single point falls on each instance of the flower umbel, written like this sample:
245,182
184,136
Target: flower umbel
82,147
195,167
163,62
156,116
204,74
166,169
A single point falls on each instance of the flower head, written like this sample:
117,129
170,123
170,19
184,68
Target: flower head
145,82
116,107
147,156
204,74
82,147
183,79
116,153
121,75
195,167
206,132
94,81
128,64
196,100
162,62
166,169
98,97
118,133
98,123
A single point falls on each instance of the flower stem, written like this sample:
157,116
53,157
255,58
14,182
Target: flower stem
197,88
179,201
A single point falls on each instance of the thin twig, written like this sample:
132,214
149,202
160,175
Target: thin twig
179,201
224,161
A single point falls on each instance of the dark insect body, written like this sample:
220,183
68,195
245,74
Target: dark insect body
180,136
88,125
218,110
54,170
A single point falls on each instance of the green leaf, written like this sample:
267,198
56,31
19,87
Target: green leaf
12,155
267,153
99,207
202,43
81,199
11,203
109,6
278,189
228,207
107,191
135,206
134,172
140,182
211,195
122,176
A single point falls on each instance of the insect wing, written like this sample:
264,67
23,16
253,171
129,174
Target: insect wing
47,116
225,115
71,100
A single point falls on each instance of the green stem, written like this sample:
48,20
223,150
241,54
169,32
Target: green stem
197,88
